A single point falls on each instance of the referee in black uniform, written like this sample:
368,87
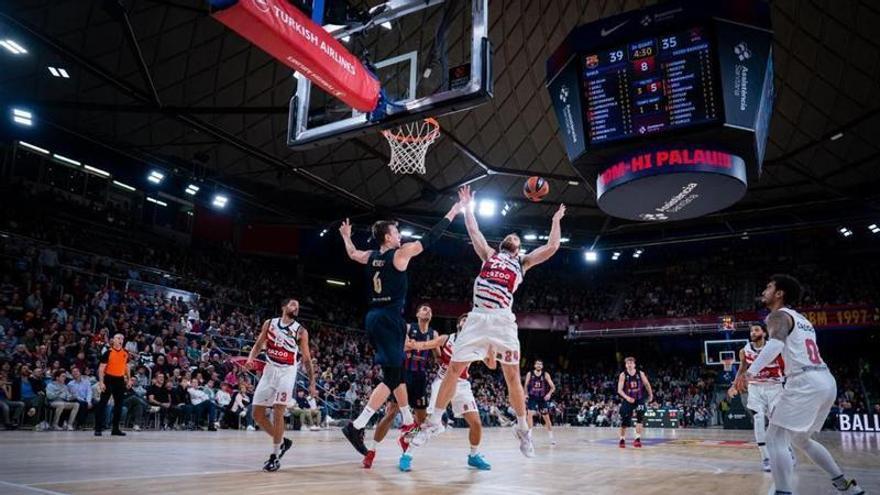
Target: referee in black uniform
113,376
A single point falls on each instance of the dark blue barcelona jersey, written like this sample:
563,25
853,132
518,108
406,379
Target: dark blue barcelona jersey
386,285
418,360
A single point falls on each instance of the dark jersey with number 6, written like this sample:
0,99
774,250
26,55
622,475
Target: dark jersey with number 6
386,285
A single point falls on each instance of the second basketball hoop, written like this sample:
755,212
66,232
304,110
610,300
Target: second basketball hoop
409,143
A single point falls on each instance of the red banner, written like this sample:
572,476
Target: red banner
291,37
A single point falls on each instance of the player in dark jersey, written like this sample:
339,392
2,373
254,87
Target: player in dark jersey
635,389
386,328
539,388
415,375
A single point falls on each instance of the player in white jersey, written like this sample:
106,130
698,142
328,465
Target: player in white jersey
491,323
463,403
763,389
283,339
810,389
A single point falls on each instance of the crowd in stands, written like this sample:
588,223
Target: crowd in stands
63,295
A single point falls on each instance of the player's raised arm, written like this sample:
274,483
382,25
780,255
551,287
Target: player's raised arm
466,198
354,253
543,253
411,249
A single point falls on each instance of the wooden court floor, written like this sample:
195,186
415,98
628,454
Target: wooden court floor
585,461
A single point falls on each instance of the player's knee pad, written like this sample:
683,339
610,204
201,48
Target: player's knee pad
392,376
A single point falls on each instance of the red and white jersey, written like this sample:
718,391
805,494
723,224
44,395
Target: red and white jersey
499,278
446,358
801,351
282,342
772,373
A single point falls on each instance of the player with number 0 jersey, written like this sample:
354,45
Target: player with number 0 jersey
810,389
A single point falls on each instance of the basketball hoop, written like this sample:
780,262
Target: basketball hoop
727,363
409,143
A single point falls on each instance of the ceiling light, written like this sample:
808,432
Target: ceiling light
416,236
573,183
386,25
156,177
530,237
837,136
13,47
487,208
156,201
406,233
97,171
33,148
331,281
220,201
615,255
192,189
64,159
346,39
22,117
591,256
637,253
123,185
323,233
59,72
564,239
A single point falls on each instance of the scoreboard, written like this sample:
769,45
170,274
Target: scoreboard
648,86
667,109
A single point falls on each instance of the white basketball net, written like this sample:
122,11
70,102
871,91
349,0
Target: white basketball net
409,143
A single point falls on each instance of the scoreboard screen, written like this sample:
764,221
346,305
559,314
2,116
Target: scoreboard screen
649,86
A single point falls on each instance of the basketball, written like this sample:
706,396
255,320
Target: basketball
536,188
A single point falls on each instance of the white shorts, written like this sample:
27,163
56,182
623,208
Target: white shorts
463,400
276,385
485,328
762,398
805,402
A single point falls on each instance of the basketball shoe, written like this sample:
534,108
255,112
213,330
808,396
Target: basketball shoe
368,459
525,442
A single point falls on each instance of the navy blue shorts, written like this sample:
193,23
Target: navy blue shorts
386,329
537,404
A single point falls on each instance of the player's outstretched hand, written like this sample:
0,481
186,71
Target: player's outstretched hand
345,228
731,392
465,196
559,213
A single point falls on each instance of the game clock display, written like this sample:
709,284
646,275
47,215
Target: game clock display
648,86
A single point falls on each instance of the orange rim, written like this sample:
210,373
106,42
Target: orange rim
400,138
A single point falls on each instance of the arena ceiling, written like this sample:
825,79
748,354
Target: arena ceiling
161,81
